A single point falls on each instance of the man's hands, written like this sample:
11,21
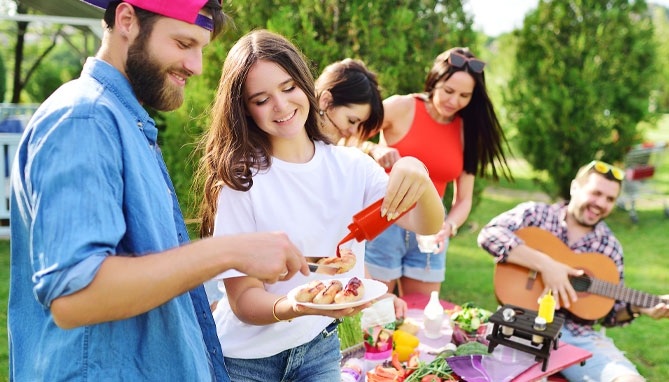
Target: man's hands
660,310
268,256
555,276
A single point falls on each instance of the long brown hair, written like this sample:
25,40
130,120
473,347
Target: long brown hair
484,137
234,147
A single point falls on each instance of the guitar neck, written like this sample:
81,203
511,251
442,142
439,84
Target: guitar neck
622,293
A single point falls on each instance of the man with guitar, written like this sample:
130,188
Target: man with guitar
568,248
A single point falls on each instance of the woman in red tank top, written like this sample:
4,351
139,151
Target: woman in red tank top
452,128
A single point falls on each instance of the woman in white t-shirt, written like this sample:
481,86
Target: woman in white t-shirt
268,167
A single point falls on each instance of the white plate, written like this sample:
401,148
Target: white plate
373,289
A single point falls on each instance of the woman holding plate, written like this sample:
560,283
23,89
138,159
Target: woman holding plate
268,167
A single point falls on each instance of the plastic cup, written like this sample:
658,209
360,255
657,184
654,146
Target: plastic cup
427,243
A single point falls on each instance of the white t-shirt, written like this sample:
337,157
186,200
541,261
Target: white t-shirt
313,203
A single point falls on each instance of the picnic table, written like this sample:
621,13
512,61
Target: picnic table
561,358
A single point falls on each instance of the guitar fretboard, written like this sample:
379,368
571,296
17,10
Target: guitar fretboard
618,292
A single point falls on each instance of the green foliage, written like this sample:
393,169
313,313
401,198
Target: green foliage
61,65
3,78
661,23
398,41
581,84
479,185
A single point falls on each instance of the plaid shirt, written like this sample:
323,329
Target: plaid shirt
498,238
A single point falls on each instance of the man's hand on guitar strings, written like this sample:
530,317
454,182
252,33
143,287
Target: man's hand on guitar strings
557,279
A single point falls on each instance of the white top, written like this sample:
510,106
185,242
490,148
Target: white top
313,203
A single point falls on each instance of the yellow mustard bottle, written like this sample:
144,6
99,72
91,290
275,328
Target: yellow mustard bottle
547,307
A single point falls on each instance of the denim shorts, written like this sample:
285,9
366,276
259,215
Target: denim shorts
317,360
394,253
607,362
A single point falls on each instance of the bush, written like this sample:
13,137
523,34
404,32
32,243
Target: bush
581,84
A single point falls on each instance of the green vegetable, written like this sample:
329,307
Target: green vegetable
471,348
438,367
350,332
470,317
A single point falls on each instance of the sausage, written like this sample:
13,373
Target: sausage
327,295
310,291
353,291
345,262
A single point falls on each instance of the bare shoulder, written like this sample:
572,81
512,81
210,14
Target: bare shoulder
397,106
399,101
399,111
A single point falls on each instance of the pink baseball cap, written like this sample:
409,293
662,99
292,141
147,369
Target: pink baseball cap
184,10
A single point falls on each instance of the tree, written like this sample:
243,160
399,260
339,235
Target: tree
661,23
397,40
22,27
581,83
3,78
47,75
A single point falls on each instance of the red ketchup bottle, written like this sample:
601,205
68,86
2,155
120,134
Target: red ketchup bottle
368,223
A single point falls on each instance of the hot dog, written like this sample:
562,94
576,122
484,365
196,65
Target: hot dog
327,295
310,291
345,262
353,291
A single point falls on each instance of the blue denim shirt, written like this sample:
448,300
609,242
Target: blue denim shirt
89,182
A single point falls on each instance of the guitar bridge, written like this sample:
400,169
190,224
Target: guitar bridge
531,278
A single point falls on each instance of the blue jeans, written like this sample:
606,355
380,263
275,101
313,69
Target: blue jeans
607,362
394,253
317,360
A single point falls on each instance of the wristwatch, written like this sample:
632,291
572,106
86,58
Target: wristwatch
454,228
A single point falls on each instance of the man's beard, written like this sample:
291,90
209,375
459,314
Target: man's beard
578,217
149,79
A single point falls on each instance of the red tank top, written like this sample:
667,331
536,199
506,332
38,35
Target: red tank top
437,145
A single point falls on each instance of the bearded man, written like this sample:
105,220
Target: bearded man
104,284
578,223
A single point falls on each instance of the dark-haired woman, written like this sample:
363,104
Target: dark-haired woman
349,101
452,128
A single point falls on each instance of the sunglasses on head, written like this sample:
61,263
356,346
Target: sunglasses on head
606,169
459,60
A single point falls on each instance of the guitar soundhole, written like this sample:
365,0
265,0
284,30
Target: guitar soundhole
580,283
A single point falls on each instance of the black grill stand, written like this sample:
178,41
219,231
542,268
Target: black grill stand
520,324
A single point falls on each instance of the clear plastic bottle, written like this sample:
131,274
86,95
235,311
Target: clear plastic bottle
433,316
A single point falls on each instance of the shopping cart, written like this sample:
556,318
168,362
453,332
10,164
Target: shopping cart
641,163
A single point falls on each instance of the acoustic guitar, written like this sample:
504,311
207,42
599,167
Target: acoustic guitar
597,289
